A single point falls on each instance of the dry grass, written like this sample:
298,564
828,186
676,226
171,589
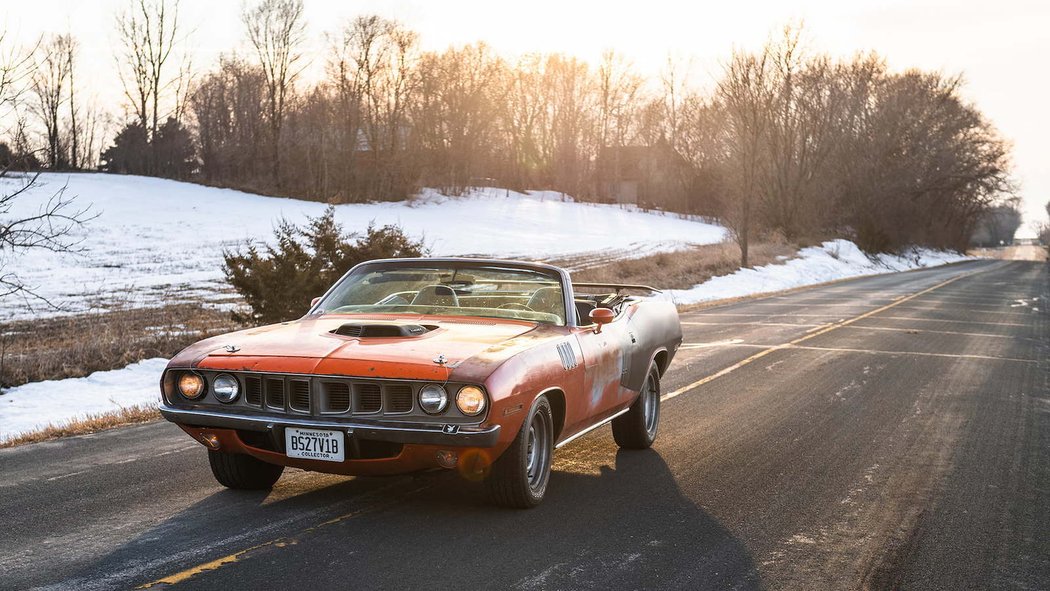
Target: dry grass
75,346
684,269
90,424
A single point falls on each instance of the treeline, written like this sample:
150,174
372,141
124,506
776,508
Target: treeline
808,146
787,142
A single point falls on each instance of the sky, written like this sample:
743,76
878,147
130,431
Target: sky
996,46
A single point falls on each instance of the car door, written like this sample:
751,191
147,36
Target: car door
603,360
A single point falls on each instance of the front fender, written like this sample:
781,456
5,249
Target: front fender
518,381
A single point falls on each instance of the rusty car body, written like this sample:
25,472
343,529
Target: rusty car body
483,366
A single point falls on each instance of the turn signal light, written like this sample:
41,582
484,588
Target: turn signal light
210,440
447,459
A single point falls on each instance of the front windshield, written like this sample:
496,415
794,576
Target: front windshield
481,290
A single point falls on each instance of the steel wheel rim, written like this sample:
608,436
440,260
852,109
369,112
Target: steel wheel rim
537,455
650,406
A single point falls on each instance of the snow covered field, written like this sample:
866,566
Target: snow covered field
157,240
32,407
836,259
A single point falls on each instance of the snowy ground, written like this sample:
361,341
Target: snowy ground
156,240
34,406
836,259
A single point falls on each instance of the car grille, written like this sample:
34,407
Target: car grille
300,395
368,398
399,398
336,397
253,390
317,395
275,392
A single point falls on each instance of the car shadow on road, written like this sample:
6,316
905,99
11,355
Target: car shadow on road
611,519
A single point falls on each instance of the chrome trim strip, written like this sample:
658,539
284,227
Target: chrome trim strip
268,421
592,428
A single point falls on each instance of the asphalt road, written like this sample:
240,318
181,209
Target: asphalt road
885,432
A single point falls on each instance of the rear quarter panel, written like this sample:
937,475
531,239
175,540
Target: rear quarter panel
654,330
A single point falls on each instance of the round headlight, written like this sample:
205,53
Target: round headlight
433,398
470,400
226,388
191,385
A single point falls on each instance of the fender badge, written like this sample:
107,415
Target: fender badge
231,348
441,360
450,429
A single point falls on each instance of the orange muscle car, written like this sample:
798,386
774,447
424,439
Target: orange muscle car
483,366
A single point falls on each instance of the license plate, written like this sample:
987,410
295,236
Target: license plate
314,444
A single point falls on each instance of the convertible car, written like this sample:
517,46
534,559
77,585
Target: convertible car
482,366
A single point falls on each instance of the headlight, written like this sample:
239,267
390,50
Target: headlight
433,398
191,385
226,388
470,400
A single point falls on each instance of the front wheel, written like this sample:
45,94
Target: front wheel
636,429
519,477
243,471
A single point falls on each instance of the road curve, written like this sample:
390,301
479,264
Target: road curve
884,432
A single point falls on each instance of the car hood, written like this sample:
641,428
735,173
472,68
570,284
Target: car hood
309,346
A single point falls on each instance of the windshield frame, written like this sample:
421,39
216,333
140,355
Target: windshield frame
554,273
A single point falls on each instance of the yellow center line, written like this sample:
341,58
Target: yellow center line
719,344
918,319
275,543
727,324
927,331
816,333
918,353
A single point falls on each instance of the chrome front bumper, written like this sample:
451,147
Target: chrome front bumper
449,435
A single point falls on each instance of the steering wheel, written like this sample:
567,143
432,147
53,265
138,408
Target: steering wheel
514,306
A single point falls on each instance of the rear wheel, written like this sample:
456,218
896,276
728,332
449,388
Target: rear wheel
636,429
519,477
243,471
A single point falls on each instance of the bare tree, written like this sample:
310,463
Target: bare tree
804,128
522,116
461,88
276,30
51,227
1042,230
744,93
675,84
619,89
74,108
148,31
49,81
16,68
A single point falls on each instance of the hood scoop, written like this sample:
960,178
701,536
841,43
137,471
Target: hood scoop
368,330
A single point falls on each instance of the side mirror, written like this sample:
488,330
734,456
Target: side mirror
314,301
601,316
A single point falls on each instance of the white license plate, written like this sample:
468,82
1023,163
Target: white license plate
314,444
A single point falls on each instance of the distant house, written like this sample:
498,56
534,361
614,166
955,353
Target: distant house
650,176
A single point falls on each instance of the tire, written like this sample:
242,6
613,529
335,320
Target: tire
636,429
519,477
242,471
